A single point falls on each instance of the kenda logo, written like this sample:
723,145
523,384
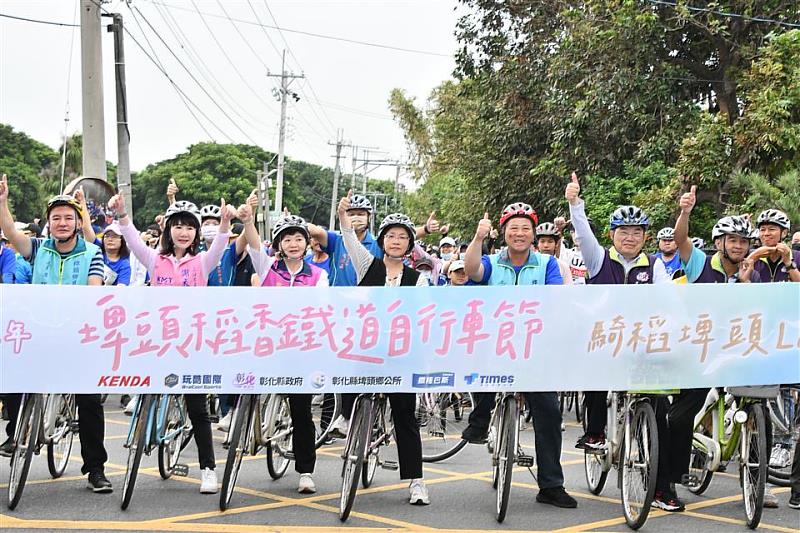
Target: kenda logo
435,379
124,381
485,381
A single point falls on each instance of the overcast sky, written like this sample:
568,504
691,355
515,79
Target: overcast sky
347,85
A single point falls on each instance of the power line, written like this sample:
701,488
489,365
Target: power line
4,15
725,13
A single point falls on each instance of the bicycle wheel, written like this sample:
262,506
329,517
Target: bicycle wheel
580,409
136,446
26,435
323,413
59,442
279,445
241,419
374,449
753,460
595,470
355,449
639,464
175,438
570,397
562,401
698,459
442,418
507,449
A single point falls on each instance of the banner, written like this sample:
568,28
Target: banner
348,339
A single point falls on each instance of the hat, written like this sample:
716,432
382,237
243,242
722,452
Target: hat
458,264
423,261
33,228
237,229
113,228
447,240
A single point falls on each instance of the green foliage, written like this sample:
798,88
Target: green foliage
23,159
761,194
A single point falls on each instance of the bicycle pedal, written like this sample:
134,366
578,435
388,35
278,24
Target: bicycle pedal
390,465
289,455
74,426
690,480
214,419
525,460
435,433
180,470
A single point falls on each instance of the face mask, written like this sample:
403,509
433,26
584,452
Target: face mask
447,256
796,247
209,232
428,275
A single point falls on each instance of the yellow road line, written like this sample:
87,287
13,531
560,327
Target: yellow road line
742,523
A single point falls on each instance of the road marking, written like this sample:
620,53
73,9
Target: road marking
743,523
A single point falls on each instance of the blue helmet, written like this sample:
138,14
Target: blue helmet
628,215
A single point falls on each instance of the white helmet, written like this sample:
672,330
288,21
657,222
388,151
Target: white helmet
774,216
286,223
698,243
665,234
398,219
628,215
210,211
547,229
182,206
358,201
733,225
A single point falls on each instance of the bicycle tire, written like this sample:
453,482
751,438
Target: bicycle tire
580,409
278,450
434,419
754,479
28,424
507,455
372,453
58,452
139,441
354,456
595,471
697,461
643,422
169,452
777,477
237,447
323,415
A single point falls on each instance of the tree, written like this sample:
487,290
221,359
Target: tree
23,159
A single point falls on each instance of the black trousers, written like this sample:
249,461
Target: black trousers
303,434
197,409
91,428
794,477
596,411
675,422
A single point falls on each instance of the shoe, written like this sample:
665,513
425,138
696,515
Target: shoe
99,483
794,501
130,406
208,481
475,435
225,422
770,500
780,457
340,427
7,448
591,441
306,484
668,502
418,493
556,496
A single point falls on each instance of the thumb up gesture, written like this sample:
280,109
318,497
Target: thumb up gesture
573,190
484,227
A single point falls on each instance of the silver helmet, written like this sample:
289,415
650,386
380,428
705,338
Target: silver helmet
401,220
358,201
182,206
286,223
774,216
628,215
665,234
733,225
210,211
547,229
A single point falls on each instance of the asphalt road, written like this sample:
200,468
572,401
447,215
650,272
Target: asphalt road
460,490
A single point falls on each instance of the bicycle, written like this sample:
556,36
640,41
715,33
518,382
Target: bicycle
729,424
158,421
434,410
568,399
45,420
784,412
503,443
631,448
367,434
265,422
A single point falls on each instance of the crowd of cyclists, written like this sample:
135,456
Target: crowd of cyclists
80,243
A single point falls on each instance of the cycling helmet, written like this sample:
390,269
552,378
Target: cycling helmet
63,199
286,223
547,229
698,243
519,209
773,216
358,201
210,211
182,206
628,215
665,234
733,225
394,220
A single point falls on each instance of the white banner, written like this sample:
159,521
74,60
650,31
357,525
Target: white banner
235,339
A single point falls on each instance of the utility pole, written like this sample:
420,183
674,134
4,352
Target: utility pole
94,141
337,171
123,133
286,80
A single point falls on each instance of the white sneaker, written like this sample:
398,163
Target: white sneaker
208,481
340,427
128,410
770,500
780,457
418,493
224,423
306,484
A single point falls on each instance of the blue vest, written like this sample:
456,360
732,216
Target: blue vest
50,269
533,272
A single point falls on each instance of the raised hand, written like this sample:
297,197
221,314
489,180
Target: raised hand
252,201
432,225
227,212
245,213
484,227
571,193
117,203
746,269
172,190
688,200
4,189
344,205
